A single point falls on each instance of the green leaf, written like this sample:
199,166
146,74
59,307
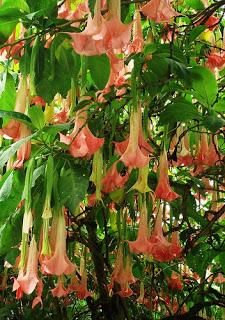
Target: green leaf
195,32
43,7
21,117
11,189
212,122
219,106
12,255
91,5
10,12
222,260
195,4
8,96
179,111
204,85
37,116
5,155
73,187
9,235
99,67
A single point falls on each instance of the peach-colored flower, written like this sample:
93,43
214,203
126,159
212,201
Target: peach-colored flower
113,179
163,190
38,298
159,10
59,291
59,263
141,244
160,248
137,38
29,280
135,154
174,282
122,274
82,142
90,41
12,129
24,151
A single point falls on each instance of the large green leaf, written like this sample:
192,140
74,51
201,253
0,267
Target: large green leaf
204,85
37,116
9,232
99,67
10,12
21,117
212,122
11,189
179,111
8,95
43,7
73,187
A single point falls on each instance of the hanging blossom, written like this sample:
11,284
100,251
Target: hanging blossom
163,190
80,286
103,34
82,143
141,244
12,129
135,150
160,248
27,282
59,291
159,10
137,43
216,58
24,151
122,274
113,179
59,263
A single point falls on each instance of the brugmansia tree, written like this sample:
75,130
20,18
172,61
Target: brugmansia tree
112,159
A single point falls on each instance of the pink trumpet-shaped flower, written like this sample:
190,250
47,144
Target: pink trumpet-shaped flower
82,142
220,278
59,263
90,42
59,291
38,298
174,282
133,156
24,151
163,190
122,274
213,154
81,288
16,285
118,34
141,244
29,281
159,10
113,179
138,40
161,249
12,129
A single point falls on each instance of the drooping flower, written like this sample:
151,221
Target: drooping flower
113,179
24,151
160,248
137,38
122,274
38,298
80,287
141,244
220,278
90,42
59,291
174,282
29,280
159,10
59,263
163,190
118,34
213,153
82,142
12,129
133,156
